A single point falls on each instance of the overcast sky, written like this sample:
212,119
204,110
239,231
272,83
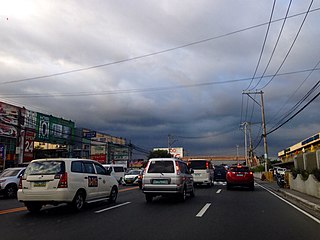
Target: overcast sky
143,69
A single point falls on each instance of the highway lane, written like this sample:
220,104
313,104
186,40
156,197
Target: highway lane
235,214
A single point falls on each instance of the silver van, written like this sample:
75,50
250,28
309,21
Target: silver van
167,177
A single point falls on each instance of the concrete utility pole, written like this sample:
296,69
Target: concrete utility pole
245,124
264,135
247,132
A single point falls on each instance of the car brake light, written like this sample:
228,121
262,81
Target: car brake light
207,165
177,168
20,183
63,182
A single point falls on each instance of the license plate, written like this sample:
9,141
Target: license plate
239,175
39,184
197,174
160,181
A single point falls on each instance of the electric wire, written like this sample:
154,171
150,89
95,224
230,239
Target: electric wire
263,45
153,53
293,43
295,114
275,46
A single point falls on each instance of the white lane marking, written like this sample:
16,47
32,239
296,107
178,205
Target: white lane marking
116,206
219,191
203,210
292,205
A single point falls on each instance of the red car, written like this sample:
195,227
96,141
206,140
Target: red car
240,176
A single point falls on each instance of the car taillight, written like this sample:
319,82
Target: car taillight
20,183
63,182
178,169
207,165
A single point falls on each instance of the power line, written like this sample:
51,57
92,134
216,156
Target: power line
276,44
154,53
153,89
294,41
263,45
276,128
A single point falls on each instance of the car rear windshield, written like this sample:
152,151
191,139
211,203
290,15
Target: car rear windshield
161,167
198,164
45,168
134,172
239,169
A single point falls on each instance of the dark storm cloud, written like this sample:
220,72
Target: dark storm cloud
146,99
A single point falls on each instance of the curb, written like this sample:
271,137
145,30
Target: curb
305,202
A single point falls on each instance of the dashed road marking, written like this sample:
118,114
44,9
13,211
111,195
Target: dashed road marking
219,191
203,210
113,207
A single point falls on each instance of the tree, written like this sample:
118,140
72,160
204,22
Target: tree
159,154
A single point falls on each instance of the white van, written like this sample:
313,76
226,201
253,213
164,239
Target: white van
116,170
203,171
65,180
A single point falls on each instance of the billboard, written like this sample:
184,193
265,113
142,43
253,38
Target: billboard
54,130
9,116
176,152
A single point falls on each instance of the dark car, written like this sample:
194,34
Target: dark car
220,173
240,176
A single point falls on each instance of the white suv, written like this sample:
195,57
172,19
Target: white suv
64,180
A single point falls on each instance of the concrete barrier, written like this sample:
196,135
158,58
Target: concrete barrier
311,186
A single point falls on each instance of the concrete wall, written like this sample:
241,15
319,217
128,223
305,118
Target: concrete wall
318,158
309,161
298,162
311,186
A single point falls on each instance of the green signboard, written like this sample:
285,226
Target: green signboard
54,130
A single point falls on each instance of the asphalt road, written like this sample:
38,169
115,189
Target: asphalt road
214,213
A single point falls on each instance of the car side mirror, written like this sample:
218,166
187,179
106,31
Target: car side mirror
191,171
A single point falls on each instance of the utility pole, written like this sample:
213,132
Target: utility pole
264,135
237,154
245,124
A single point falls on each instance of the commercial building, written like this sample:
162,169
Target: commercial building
310,144
26,135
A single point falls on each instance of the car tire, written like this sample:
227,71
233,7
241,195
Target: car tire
228,186
78,201
252,187
149,198
11,191
183,195
113,195
33,207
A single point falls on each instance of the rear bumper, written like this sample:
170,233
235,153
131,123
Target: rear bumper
58,195
162,189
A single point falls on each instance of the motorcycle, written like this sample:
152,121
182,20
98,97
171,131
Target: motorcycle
280,180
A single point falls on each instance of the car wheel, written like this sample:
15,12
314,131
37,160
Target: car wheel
78,201
183,195
149,198
228,186
11,191
252,187
113,195
33,207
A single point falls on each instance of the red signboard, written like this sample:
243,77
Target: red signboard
101,158
28,146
